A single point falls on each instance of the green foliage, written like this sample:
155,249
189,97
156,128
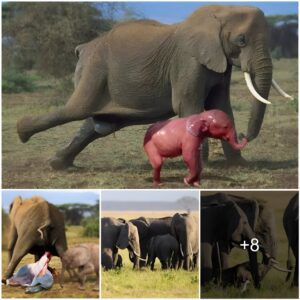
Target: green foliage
17,82
273,20
90,227
43,35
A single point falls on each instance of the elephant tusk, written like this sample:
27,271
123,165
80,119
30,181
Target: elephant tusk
281,91
252,89
274,264
180,246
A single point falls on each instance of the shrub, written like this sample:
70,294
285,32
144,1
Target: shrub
91,227
16,82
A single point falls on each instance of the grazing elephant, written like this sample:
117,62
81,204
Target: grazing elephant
185,229
36,227
184,136
291,227
262,221
82,259
166,248
225,222
148,228
144,71
118,234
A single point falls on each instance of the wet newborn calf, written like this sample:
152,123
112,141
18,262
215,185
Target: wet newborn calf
82,260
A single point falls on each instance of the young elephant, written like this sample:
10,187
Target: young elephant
183,136
82,259
166,248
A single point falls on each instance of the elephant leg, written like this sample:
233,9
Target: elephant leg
83,272
13,236
21,249
164,264
296,253
107,259
65,157
191,159
206,263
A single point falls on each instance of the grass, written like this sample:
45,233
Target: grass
70,290
144,283
118,161
273,285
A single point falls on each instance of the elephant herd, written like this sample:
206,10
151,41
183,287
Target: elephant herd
173,240
228,221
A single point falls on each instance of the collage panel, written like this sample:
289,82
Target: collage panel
249,244
50,244
150,244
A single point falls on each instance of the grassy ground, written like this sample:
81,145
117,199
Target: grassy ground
144,283
118,161
273,285
70,290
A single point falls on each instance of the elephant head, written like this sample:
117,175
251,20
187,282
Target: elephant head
215,123
222,36
129,238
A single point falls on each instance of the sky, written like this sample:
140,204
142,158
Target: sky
173,12
55,197
147,195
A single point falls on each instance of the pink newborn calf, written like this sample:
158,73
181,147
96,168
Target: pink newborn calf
183,136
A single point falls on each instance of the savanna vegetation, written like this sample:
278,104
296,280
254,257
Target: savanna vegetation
273,285
144,283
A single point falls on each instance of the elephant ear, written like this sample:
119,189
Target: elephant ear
201,34
232,219
196,126
142,225
16,202
123,239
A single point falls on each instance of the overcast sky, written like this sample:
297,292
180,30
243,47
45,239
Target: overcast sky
55,196
173,12
147,195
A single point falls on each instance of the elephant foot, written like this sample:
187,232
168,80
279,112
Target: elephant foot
61,163
236,162
24,134
195,183
3,280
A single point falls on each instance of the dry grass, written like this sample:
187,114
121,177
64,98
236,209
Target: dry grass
70,290
119,161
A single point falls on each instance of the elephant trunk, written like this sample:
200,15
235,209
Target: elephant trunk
254,268
232,140
261,76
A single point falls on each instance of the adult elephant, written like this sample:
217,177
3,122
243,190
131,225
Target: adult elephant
227,223
118,234
262,221
36,226
145,71
291,227
148,228
184,227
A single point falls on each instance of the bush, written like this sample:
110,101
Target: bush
16,82
91,227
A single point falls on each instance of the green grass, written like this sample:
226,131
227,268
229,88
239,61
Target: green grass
273,285
118,161
70,289
144,283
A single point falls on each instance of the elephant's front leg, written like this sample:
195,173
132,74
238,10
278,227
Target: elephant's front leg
191,157
88,132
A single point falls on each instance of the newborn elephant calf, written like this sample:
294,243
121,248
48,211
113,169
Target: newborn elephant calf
82,259
183,136
166,248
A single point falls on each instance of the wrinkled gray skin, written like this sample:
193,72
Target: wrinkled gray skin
185,228
36,226
166,249
118,234
82,260
291,227
262,221
144,71
148,228
224,222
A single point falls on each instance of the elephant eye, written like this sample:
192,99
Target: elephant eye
240,40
